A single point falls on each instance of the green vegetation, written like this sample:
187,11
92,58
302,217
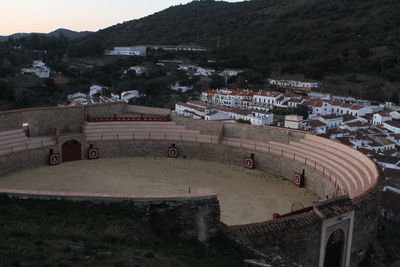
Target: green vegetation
60,233
300,110
312,37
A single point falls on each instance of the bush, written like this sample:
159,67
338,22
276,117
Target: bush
113,233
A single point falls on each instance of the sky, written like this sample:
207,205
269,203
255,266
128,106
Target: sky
79,15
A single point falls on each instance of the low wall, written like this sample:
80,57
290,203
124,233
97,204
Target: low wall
24,160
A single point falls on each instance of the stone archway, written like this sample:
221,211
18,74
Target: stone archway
71,150
335,249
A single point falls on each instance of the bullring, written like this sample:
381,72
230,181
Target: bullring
344,180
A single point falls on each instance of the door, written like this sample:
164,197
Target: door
71,150
335,249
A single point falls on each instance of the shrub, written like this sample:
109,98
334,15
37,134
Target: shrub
113,233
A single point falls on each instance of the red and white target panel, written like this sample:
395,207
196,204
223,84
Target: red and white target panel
54,159
93,153
249,163
299,179
172,152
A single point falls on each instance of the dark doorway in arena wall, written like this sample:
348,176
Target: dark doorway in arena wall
334,249
71,150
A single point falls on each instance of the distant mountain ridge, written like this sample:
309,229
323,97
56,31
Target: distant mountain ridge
67,33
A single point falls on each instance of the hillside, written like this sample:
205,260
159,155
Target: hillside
311,37
57,33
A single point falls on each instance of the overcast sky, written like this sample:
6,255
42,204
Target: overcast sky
79,15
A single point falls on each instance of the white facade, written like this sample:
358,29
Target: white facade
294,84
180,88
216,116
195,109
128,51
380,118
205,71
95,89
128,95
393,126
138,69
78,98
38,64
331,121
39,69
231,72
293,121
187,67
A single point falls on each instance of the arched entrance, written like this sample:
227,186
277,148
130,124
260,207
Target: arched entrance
334,249
71,150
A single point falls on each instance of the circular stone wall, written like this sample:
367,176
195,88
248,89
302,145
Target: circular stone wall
245,196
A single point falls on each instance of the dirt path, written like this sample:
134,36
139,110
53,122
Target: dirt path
245,195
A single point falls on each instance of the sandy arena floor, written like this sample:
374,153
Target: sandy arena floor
245,195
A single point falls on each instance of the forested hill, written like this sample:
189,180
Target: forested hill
314,37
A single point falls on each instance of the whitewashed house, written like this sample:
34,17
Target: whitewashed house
128,51
266,99
78,98
216,115
180,88
128,95
318,107
294,102
95,89
205,71
294,84
331,121
388,161
380,118
187,67
230,72
38,68
139,70
393,126
115,97
293,121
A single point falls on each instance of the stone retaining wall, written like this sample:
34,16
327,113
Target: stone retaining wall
187,216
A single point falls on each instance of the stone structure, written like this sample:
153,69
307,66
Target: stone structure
339,226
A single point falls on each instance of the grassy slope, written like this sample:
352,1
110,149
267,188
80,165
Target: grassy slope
59,233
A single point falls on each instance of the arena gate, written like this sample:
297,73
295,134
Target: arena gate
334,249
71,150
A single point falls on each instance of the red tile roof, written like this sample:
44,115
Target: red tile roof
316,123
